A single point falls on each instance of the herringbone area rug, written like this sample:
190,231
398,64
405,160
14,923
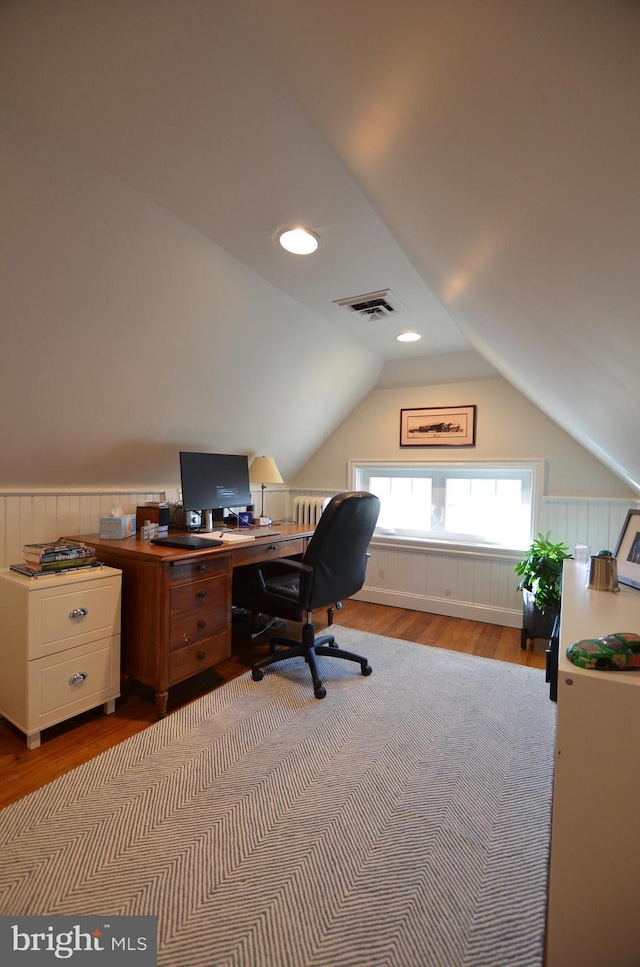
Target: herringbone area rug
402,821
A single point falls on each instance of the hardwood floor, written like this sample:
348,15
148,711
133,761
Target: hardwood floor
67,745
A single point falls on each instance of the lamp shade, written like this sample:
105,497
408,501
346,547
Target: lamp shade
264,470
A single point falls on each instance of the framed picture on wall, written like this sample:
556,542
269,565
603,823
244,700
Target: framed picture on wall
627,552
438,426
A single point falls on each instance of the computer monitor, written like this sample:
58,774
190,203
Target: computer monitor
213,483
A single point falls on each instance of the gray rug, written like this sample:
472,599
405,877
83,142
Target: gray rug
402,821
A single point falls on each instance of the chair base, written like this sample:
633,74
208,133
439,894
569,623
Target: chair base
308,648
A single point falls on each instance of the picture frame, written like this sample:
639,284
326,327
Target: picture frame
627,552
438,426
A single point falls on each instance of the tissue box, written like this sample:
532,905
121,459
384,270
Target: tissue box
117,528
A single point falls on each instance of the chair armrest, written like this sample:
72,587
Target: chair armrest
288,564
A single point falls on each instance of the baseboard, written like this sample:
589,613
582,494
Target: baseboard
452,609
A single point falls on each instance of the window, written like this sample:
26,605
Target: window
456,503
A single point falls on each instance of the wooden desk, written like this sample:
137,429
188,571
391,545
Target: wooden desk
176,604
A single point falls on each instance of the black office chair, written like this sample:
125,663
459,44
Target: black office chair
331,569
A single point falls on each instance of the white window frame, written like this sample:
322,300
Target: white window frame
537,468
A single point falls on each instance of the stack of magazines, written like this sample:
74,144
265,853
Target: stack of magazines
55,558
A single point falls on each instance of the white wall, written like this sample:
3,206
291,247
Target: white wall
508,427
585,502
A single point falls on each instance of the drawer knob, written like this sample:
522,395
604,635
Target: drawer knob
77,678
202,623
78,613
202,594
203,567
202,654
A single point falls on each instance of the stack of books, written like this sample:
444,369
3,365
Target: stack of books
55,558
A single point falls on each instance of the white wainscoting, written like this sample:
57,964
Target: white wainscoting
480,587
597,523
480,584
276,503
28,517
35,516
466,583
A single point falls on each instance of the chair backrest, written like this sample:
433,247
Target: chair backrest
338,549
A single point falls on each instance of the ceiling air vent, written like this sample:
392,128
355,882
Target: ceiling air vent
372,305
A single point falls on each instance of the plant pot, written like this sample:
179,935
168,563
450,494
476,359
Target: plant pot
535,623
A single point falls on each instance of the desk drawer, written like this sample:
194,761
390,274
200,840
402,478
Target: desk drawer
198,611
197,657
197,568
258,553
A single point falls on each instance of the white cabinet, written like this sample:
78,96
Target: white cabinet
594,878
59,646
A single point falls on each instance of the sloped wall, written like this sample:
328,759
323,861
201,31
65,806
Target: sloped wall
127,336
509,427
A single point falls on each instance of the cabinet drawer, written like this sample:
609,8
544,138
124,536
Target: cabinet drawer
72,681
198,611
64,617
195,658
197,568
258,553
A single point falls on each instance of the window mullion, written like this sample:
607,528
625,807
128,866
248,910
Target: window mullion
438,505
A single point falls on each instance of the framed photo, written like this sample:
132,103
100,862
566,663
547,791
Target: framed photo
627,552
438,426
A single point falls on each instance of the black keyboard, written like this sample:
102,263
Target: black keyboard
189,542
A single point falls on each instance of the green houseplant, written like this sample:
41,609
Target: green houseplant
540,572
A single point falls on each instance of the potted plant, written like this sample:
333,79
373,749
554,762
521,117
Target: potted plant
540,572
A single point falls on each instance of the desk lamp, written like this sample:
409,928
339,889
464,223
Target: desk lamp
265,470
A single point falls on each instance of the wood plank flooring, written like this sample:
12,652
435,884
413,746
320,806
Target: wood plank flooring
67,745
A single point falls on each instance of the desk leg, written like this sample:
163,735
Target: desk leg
161,703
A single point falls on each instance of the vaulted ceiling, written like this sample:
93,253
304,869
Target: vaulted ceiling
477,160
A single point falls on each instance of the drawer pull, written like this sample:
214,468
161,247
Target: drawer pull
77,678
202,594
78,613
203,567
202,623
201,655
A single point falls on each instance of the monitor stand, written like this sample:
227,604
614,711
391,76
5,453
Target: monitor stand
210,522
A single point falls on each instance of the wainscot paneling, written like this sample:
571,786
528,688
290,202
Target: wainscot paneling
26,518
597,523
462,584
473,583
478,583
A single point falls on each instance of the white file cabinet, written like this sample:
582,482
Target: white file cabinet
59,646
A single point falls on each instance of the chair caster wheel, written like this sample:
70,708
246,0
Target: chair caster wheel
257,674
366,669
320,692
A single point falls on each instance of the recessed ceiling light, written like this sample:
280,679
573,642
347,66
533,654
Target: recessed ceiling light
299,241
408,336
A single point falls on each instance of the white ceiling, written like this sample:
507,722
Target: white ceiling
479,159
173,97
